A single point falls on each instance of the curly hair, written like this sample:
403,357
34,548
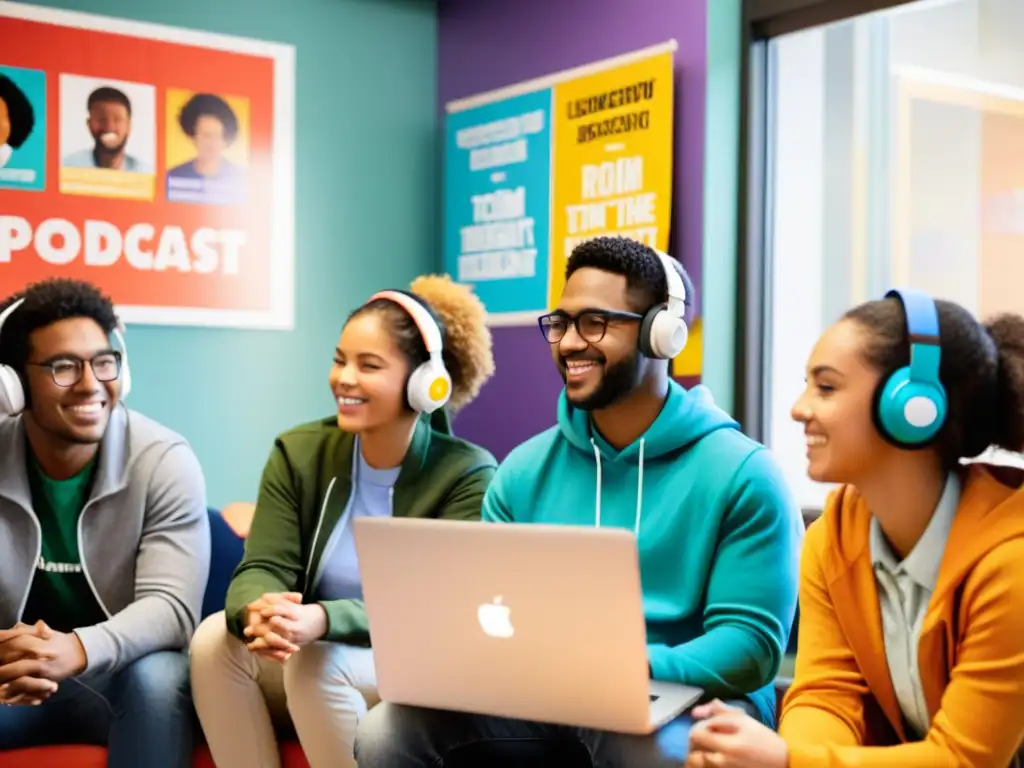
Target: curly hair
461,316
638,263
47,302
19,110
982,371
213,106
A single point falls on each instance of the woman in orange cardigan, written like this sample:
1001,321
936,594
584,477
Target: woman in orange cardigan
911,642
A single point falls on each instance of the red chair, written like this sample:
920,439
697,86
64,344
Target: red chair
55,757
238,516
96,757
291,757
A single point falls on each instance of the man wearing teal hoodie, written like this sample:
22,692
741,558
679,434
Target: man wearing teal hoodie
717,529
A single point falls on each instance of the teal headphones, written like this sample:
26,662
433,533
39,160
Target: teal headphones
910,405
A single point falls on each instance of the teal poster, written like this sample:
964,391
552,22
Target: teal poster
22,128
497,204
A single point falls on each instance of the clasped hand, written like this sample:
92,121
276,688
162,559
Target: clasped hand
278,624
727,737
34,659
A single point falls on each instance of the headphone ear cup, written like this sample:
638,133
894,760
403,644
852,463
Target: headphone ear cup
668,335
429,387
909,414
647,330
12,393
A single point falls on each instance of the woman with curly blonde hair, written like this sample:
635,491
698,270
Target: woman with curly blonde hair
292,649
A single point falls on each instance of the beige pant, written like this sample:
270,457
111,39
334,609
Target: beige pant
323,691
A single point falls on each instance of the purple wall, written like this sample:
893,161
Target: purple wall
483,45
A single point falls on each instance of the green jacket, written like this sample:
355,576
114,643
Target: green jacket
442,476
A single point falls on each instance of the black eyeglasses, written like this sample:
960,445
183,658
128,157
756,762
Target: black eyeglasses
67,371
591,324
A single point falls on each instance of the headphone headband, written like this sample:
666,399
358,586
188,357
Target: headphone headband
12,392
676,286
10,311
429,330
922,333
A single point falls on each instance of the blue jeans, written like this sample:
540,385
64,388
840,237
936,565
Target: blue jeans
141,713
395,736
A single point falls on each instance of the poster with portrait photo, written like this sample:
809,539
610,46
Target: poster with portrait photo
22,128
107,137
216,254
207,147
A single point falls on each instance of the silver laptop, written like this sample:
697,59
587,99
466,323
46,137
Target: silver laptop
529,621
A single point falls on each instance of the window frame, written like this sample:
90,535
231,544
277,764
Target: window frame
762,21
766,19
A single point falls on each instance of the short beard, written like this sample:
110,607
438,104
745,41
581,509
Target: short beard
102,149
617,381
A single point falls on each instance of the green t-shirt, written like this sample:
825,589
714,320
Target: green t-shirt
60,594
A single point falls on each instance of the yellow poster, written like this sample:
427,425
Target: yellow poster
611,159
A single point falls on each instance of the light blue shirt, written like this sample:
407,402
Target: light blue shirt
85,158
372,492
904,591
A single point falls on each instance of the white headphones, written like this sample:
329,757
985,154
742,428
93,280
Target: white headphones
12,396
430,385
126,372
12,393
663,332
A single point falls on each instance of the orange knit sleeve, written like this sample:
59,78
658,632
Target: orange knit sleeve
981,719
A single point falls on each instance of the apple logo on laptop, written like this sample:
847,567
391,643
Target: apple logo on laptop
495,618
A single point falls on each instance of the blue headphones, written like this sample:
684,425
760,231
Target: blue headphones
910,405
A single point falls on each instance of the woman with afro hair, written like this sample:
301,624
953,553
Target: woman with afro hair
292,649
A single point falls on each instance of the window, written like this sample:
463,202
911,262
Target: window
895,157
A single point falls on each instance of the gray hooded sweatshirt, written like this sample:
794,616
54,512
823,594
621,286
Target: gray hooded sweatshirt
143,536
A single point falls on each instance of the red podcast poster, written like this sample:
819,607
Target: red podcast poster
153,161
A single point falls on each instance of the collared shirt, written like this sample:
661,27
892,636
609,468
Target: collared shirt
86,159
904,591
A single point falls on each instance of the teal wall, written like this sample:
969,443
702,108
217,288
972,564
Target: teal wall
366,174
721,197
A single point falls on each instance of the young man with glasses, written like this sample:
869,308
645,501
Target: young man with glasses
104,541
718,532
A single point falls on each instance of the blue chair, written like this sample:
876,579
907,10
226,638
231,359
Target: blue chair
226,549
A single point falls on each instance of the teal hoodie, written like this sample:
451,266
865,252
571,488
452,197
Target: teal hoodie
719,534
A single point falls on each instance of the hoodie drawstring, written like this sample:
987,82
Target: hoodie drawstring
639,488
